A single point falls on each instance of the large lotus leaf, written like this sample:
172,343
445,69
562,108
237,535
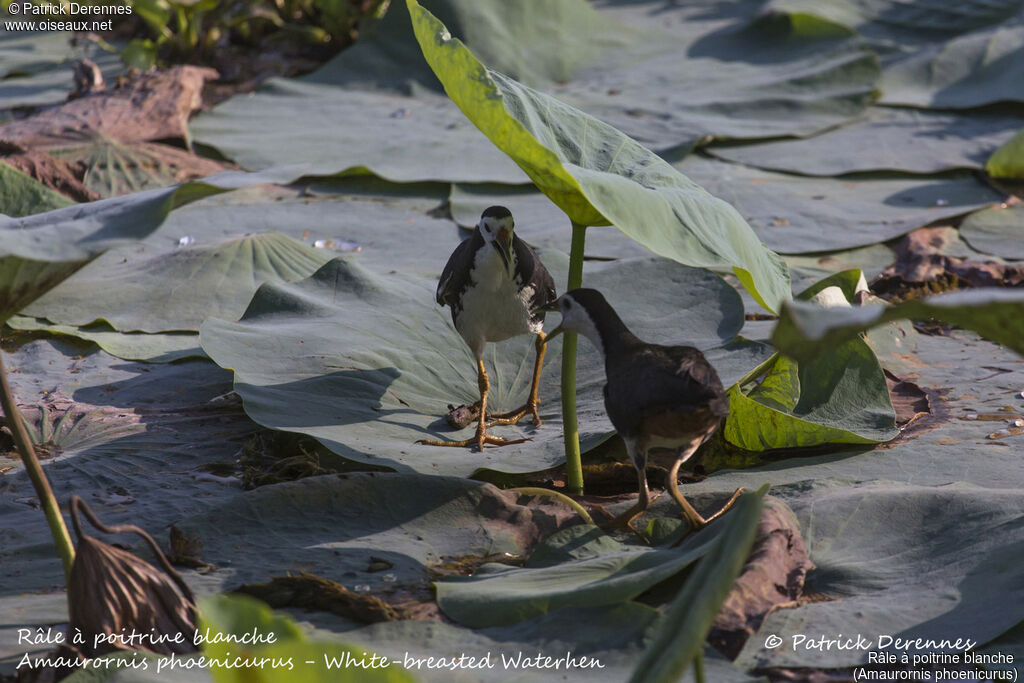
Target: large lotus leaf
802,215
838,398
150,348
945,54
1008,160
596,174
390,225
21,195
806,331
498,595
901,561
689,617
896,24
113,168
771,79
368,363
176,291
979,68
885,139
998,231
399,125
333,525
40,251
639,74
121,435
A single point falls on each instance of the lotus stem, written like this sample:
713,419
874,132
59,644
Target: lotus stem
23,442
557,495
698,667
573,463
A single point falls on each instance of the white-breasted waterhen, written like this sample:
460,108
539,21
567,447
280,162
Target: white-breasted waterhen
494,283
656,396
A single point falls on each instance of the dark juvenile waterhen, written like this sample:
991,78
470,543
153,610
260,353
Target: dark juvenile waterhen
656,396
494,283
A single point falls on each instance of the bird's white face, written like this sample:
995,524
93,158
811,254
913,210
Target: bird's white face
497,233
496,229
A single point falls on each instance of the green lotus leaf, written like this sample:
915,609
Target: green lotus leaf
891,22
177,290
841,397
368,363
688,619
806,331
38,252
795,215
905,140
998,231
596,174
948,55
151,348
21,195
902,561
500,595
1008,160
642,73
121,435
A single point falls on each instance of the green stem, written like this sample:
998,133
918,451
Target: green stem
573,463
61,539
537,491
698,667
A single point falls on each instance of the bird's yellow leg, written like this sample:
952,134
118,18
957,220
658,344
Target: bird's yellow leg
530,407
624,521
482,437
691,514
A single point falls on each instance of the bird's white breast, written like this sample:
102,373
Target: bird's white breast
493,308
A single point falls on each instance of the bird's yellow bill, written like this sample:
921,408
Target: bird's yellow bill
553,333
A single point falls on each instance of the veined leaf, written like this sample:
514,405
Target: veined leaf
596,174
40,251
806,331
841,397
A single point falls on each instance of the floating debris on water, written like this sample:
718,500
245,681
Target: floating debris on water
186,241
1003,433
338,245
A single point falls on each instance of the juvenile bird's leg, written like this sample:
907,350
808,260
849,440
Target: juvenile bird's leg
672,484
514,416
482,436
624,520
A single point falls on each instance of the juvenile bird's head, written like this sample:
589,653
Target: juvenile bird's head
581,310
496,228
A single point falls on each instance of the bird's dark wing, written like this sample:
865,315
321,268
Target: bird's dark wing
455,276
530,272
671,391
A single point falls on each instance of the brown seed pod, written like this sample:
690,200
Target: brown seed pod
120,602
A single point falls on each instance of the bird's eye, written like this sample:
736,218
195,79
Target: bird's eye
567,304
487,227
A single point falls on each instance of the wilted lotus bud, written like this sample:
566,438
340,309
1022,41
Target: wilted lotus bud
120,602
